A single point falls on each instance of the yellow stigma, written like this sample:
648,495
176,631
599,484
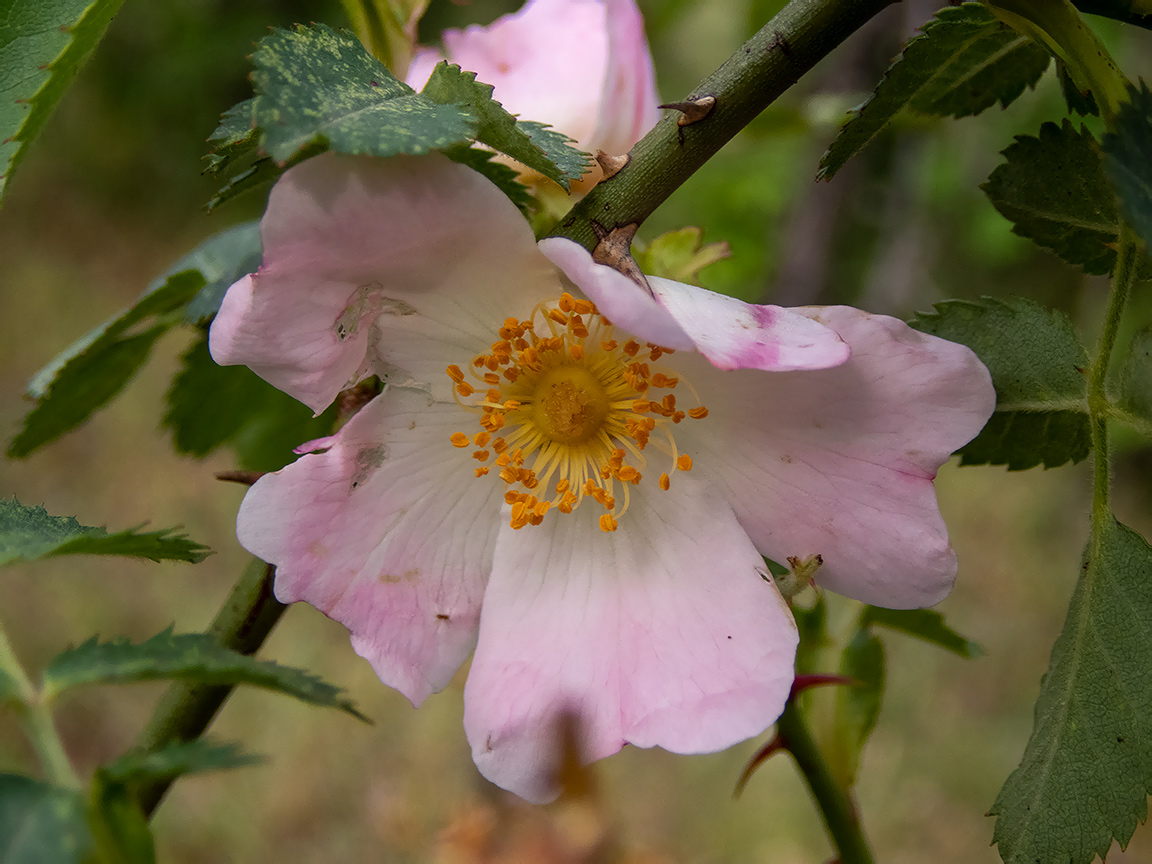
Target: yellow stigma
558,390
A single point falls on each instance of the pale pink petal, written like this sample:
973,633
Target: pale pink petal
628,107
546,62
396,266
732,334
420,69
389,533
840,462
664,633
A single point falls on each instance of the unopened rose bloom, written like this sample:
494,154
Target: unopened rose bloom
581,66
572,476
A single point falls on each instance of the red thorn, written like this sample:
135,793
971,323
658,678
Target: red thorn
805,682
762,755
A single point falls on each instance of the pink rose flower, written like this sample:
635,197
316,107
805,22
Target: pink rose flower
573,477
581,66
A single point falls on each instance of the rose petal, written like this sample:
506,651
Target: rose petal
732,334
628,105
388,532
371,264
663,633
840,462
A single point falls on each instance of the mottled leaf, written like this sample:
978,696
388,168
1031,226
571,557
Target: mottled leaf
1087,770
188,656
236,135
542,149
42,824
1136,377
43,43
89,373
926,624
857,704
1037,364
316,86
1053,190
1128,158
966,60
30,533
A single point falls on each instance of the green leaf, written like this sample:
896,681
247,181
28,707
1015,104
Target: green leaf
1079,101
42,46
210,406
813,626
1052,188
1136,377
177,759
221,259
679,255
317,87
42,824
1087,769
262,172
30,533
94,369
857,705
926,624
1128,158
966,60
1037,364
119,827
504,176
188,656
542,149
236,135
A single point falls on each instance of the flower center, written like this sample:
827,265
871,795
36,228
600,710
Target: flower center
559,390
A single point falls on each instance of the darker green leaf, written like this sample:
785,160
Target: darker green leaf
42,824
236,135
1052,188
926,624
262,172
1136,377
1037,364
176,760
221,259
188,656
1079,101
858,704
30,533
1087,770
505,177
97,367
119,827
966,60
43,44
542,149
210,406
316,86
1128,158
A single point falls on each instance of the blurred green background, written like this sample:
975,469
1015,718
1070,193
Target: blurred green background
112,193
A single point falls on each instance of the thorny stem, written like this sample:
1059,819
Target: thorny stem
1127,262
788,46
835,802
186,709
36,719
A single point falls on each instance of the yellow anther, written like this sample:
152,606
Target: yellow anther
609,344
631,347
662,380
481,455
491,378
665,482
567,302
557,316
495,396
465,389
698,413
684,462
562,486
678,416
641,405
584,307
481,471
511,405
499,445
454,373
629,474
481,439
576,352
607,523
668,403
458,439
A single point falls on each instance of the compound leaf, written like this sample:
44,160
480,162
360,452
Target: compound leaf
1128,158
42,824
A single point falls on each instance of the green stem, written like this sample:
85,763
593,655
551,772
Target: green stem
36,718
1127,262
835,802
186,709
789,45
